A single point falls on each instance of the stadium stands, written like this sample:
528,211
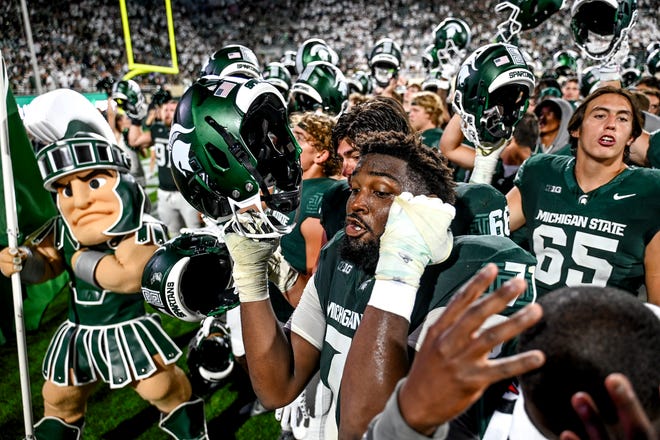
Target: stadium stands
78,43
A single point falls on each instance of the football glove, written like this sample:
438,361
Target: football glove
251,258
416,234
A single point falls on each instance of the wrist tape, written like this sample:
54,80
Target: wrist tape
393,297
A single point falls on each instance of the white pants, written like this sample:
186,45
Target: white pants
176,212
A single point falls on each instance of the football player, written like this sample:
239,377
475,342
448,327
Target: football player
334,304
587,215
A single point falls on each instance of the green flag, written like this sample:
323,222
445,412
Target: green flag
34,206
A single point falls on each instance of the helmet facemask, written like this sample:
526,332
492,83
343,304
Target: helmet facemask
511,27
600,27
450,54
505,107
383,73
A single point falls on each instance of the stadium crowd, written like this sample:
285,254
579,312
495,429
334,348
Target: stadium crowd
269,28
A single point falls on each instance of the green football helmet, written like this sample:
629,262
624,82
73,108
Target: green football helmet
492,90
314,49
209,356
129,97
232,60
589,80
430,58
600,27
278,75
385,61
175,280
525,15
630,71
451,39
232,149
320,86
360,82
653,62
565,62
289,61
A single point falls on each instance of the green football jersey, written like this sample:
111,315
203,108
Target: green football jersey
595,238
160,133
293,244
431,137
344,291
480,210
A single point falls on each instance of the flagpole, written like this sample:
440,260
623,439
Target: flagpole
30,42
12,239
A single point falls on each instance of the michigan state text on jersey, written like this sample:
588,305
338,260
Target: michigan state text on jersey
598,237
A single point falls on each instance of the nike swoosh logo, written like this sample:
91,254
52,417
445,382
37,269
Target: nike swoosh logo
625,196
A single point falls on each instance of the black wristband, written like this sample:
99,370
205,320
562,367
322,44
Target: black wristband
135,121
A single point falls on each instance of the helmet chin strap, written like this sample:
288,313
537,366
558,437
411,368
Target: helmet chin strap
236,149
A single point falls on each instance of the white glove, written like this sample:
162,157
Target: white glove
306,416
283,415
449,70
485,162
609,72
295,417
250,265
416,234
280,272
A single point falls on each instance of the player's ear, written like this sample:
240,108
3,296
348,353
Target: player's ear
322,156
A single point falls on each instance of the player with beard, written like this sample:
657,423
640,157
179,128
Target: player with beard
375,272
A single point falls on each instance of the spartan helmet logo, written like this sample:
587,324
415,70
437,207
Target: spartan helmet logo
452,30
180,148
156,277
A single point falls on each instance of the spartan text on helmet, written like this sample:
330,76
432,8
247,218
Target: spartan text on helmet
170,295
520,73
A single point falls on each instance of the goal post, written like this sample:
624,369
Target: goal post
140,68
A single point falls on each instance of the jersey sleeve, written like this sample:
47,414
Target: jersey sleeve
653,153
521,175
480,210
308,320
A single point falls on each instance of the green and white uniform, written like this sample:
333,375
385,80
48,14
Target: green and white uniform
293,244
595,238
431,137
480,210
333,208
107,335
334,299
